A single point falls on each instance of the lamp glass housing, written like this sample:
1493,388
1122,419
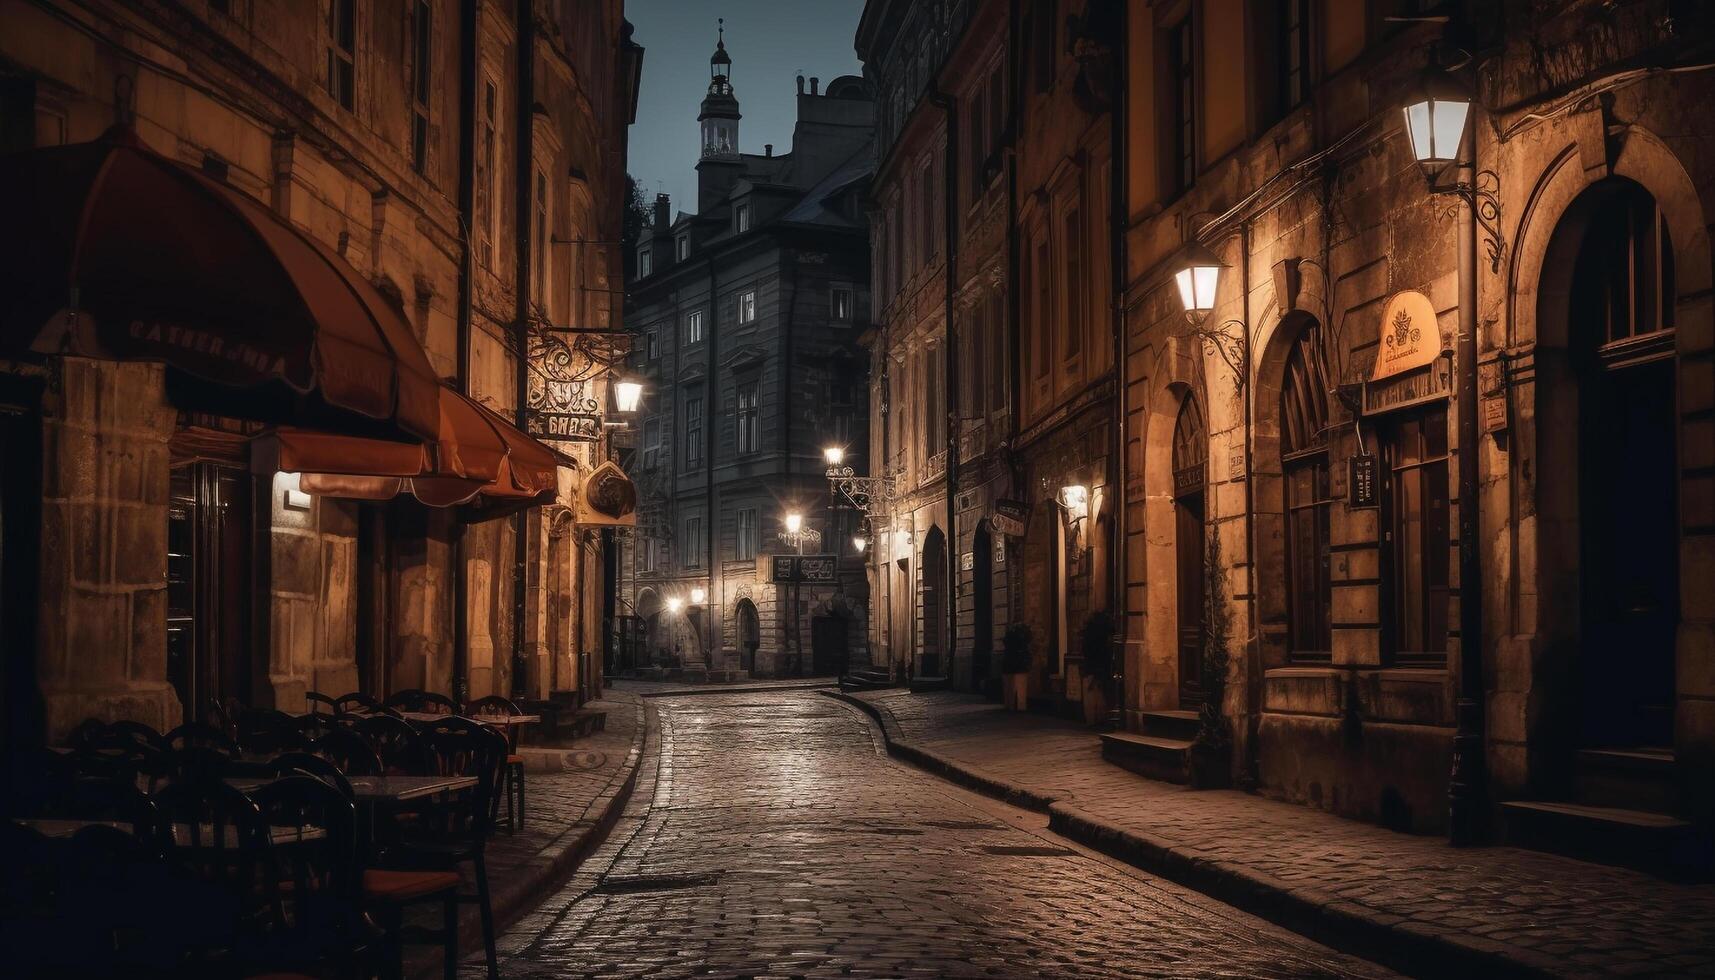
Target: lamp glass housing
1435,119
1198,277
860,543
794,523
1075,497
835,455
675,604
627,395
698,597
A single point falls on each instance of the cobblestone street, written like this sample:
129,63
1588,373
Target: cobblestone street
768,836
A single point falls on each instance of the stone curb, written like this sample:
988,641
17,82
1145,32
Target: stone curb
679,692
522,891
1415,948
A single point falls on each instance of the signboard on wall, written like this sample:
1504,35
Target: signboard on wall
1361,481
1010,517
815,569
564,426
1432,383
1409,337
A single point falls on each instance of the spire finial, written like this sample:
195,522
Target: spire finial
720,31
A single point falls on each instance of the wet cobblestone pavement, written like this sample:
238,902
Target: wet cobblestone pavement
769,837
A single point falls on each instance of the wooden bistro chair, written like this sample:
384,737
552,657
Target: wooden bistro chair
357,702
427,702
512,777
349,751
399,746
456,832
267,732
221,845
316,701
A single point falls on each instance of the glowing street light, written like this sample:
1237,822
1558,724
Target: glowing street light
835,455
698,597
1074,498
1198,276
794,522
860,543
675,604
627,395
1435,115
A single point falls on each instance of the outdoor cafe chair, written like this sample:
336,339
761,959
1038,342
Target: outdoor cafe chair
197,735
398,745
512,776
267,732
416,700
221,844
457,831
349,751
309,764
356,701
313,699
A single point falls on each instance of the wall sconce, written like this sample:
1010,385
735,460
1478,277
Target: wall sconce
1198,277
295,497
860,543
674,605
1075,498
1435,114
698,597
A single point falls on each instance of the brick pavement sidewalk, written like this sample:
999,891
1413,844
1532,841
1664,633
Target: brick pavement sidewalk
1415,903
573,795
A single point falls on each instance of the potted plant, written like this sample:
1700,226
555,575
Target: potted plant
1211,750
1098,666
1015,660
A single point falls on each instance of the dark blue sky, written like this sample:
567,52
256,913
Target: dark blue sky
770,42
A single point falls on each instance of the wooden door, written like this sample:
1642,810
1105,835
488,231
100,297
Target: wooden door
1190,468
210,554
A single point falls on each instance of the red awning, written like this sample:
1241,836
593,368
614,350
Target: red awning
477,461
116,251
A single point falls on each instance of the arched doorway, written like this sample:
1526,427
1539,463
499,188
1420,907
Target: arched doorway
933,588
1620,358
982,593
749,634
1190,479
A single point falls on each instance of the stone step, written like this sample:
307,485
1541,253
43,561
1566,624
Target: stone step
1167,759
1654,842
920,684
1171,724
1637,778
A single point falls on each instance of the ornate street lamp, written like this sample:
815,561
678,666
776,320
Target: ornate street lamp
1198,277
835,455
627,395
859,543
1436,111
675,604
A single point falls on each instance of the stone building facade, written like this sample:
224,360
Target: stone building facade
375,133
1277,426
1284,560
745,314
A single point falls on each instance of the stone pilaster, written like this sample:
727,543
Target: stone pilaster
102,638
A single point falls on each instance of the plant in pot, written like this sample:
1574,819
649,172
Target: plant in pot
1211,750
1098,665
1015,659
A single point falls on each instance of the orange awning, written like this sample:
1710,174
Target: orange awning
115,251
478,461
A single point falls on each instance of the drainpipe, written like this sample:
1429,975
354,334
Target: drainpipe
1465,791
525,211
1117,216
1249,778
467,221
949,107
1015,372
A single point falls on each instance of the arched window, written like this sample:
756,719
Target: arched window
1304,471
1190,449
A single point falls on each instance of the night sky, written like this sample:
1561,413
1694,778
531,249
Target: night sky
770,42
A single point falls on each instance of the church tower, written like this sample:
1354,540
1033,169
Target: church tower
719,165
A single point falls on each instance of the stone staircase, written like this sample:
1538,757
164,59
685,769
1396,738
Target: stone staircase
865,679
1161,751
1623,811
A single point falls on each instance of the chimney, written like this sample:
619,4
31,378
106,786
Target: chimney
769,148
663,213
800,84
814,84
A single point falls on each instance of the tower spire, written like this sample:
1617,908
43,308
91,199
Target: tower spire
719,116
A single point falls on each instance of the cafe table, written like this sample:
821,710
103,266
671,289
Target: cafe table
60,829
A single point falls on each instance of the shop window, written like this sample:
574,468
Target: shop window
1414,450
1304,471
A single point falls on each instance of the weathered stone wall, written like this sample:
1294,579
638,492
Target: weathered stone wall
102,634
312,588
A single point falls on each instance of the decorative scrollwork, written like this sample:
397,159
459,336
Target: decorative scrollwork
862,492
1483,197
1232,346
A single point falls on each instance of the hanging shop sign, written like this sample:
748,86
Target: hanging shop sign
564,426
1428,384
1010,517
815,569
1410,336
1361,481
